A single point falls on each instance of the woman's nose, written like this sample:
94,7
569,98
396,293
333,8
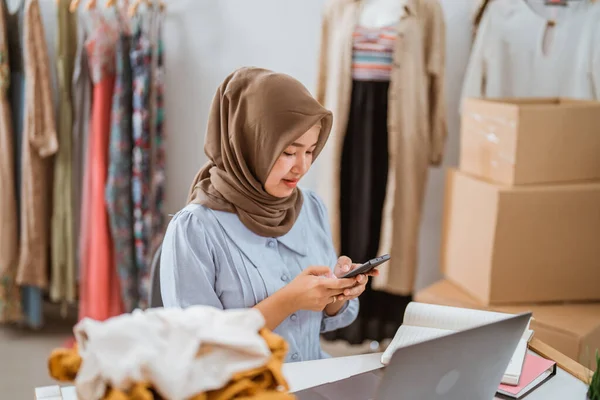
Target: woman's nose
301,166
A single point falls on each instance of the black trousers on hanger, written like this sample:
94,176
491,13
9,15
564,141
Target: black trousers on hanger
364,173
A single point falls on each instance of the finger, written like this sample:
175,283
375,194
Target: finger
317,270
344,260
343,266
355,291
334,292
362,278
373,272
336,283
341,283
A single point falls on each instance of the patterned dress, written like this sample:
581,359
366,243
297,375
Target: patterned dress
148,146
118,187
158,144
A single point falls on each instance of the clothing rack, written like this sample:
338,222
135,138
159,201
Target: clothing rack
131,91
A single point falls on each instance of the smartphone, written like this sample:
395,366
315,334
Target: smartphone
368,266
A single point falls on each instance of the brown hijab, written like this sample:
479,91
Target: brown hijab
255,115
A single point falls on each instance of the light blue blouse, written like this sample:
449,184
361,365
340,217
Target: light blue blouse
209,257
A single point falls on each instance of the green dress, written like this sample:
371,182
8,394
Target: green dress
63,281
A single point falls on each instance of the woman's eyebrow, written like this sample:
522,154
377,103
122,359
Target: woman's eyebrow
301,145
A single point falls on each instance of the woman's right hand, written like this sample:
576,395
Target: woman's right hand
316,287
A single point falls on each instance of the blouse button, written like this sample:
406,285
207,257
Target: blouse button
293,317
271,243
295,356
284,278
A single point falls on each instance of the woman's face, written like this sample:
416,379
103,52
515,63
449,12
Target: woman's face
292,164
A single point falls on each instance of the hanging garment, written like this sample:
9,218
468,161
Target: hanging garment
158,160
84,233
39,145
479,8
62,283
517,53
148,151
82,101
10,297
141,66
416,125
118,185
364,173
99,285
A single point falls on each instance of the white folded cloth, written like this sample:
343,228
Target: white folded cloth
182,352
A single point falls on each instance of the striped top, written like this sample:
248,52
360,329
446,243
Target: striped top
372,53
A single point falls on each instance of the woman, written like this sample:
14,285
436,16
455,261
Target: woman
250,237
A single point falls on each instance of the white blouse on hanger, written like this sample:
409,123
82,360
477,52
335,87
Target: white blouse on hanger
513,56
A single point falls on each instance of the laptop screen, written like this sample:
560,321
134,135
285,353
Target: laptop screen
357,387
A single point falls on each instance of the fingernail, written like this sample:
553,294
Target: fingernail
346,292
346,268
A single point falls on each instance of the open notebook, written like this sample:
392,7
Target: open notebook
427,321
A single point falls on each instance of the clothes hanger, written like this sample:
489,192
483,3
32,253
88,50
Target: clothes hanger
91,5
74,5
149,4
562,2
120,5
480,12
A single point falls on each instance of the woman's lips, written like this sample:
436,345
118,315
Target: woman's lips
292,183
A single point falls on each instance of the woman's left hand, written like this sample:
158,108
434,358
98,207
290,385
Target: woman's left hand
343,266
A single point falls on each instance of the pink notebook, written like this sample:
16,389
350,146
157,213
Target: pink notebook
536,370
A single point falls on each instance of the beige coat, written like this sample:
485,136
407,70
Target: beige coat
416,124
10,300
40,143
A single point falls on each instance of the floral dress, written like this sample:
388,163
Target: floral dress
157,132
148,169
118,187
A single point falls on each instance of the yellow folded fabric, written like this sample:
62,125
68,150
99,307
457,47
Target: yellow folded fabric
64,364
263,383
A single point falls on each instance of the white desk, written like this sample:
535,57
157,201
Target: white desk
308,374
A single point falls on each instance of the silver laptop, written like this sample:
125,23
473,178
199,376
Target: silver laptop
466,365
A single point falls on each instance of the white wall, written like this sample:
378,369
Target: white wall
207,39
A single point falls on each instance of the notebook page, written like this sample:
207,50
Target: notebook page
450,318
515,367
407,335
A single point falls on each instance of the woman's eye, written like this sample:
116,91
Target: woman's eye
288,154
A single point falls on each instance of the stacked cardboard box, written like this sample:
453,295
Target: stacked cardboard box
522,212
